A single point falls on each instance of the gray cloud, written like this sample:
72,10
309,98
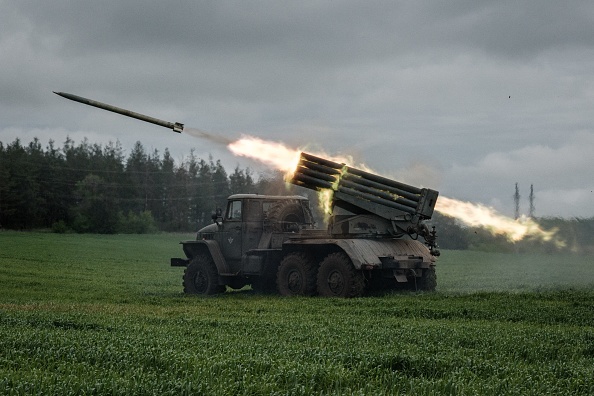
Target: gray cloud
468,89
561,176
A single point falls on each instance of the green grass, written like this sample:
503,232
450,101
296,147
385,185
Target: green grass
468,271
87,314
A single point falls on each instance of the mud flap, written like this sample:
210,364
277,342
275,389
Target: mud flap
400,277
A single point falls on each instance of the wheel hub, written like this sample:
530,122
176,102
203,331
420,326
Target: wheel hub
200,282
335,282
294,281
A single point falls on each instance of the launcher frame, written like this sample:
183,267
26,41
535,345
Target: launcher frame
364,203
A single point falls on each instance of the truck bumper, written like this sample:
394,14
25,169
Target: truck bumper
404,263
403,268
179,262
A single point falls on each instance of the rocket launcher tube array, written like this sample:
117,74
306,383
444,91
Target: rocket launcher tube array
319,173
175,126
378,192
359,176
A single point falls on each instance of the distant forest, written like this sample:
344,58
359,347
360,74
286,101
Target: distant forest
93,188
98,189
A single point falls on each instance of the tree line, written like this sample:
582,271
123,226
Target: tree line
97,188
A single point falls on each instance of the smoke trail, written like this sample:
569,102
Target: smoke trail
199,133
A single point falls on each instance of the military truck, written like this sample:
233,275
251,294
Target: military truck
271,243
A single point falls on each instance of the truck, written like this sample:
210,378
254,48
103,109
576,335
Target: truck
377,238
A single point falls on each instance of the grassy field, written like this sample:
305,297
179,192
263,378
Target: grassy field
88,314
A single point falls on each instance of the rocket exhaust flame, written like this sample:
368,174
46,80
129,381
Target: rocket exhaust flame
273,154
477,215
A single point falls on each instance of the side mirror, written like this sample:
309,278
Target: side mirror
217,216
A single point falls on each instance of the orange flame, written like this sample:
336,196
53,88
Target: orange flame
286,159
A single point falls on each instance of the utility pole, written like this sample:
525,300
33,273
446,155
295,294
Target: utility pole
531,214
517,203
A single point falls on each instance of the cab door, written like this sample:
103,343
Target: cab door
231,235
252,224
253,219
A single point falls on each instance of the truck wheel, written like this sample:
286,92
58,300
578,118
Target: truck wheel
428,281
296,275
201,277
338,278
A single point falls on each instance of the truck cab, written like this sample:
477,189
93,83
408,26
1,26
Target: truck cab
245,240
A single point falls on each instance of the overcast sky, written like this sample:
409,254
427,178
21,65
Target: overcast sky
466,97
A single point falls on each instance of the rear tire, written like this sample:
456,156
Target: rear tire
296,275
201,277
338,277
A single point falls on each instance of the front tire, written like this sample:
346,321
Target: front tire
201,277
338,277
296,275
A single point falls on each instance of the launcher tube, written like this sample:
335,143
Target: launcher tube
316,174
322,161
375,199
308,181
383,180
318,167
381,187
381,194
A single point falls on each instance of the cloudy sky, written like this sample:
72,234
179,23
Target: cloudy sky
466,97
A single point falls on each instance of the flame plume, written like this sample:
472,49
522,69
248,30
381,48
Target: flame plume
274,154
477,215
